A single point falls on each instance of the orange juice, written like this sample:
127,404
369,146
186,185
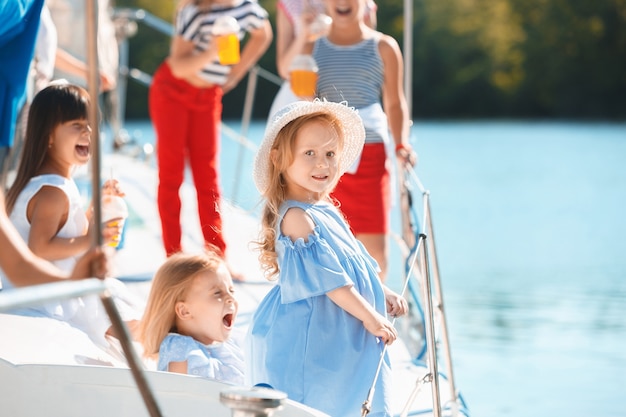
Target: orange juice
228,49
114,213
303,83
225,30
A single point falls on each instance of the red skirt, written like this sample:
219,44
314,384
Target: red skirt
365,196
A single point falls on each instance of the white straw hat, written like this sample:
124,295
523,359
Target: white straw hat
351,123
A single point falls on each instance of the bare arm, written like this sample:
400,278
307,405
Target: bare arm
178,367
70,64
370,14
288,45
394,100
256,45
25,268
47,212
353,303
396,304
18,262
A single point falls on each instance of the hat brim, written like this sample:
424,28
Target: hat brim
351,123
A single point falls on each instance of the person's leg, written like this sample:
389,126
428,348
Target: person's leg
364,199
204,144
169,117
376,245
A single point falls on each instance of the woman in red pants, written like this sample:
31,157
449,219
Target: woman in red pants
185,103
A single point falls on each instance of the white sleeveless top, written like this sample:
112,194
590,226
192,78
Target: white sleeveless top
76,224
85,313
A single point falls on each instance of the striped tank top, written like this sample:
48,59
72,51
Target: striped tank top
196,25
353,73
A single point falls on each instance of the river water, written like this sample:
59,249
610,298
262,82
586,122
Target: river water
530,224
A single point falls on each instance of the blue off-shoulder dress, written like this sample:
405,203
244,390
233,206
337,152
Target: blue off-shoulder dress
302,343
221,361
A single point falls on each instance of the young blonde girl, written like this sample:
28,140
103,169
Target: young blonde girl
189,317
46,208
319,333
364,67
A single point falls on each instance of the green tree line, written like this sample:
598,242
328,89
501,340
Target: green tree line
556,59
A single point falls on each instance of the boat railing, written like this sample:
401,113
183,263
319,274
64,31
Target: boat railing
423,283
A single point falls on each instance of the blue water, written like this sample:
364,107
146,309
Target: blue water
530,225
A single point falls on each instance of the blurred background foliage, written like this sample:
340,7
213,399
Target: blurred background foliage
539,59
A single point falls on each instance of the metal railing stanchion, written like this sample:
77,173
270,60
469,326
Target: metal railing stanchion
245,124
431,344
429,281
445,338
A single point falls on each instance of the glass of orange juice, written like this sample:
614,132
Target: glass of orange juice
114,213
303,76
225,30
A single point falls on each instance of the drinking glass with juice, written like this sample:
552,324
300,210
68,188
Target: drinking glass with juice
225,30
303,76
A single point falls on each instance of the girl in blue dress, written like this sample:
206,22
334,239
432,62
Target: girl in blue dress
319,333
189,318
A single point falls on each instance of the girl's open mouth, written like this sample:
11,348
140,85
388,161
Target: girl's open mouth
343,11
82,150
228,320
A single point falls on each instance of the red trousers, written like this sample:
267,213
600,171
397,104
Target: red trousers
186,120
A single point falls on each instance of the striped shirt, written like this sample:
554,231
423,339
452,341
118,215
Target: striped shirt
195,24
352,73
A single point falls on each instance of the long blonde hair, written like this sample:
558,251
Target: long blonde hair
281,156
169,286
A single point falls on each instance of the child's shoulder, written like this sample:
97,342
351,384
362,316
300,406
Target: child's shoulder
287,204
297,223
176,341
50,179
50,187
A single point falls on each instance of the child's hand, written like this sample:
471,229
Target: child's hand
112,232
112,187
306,18
318,27
396,304
406,155
381,327
93,264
